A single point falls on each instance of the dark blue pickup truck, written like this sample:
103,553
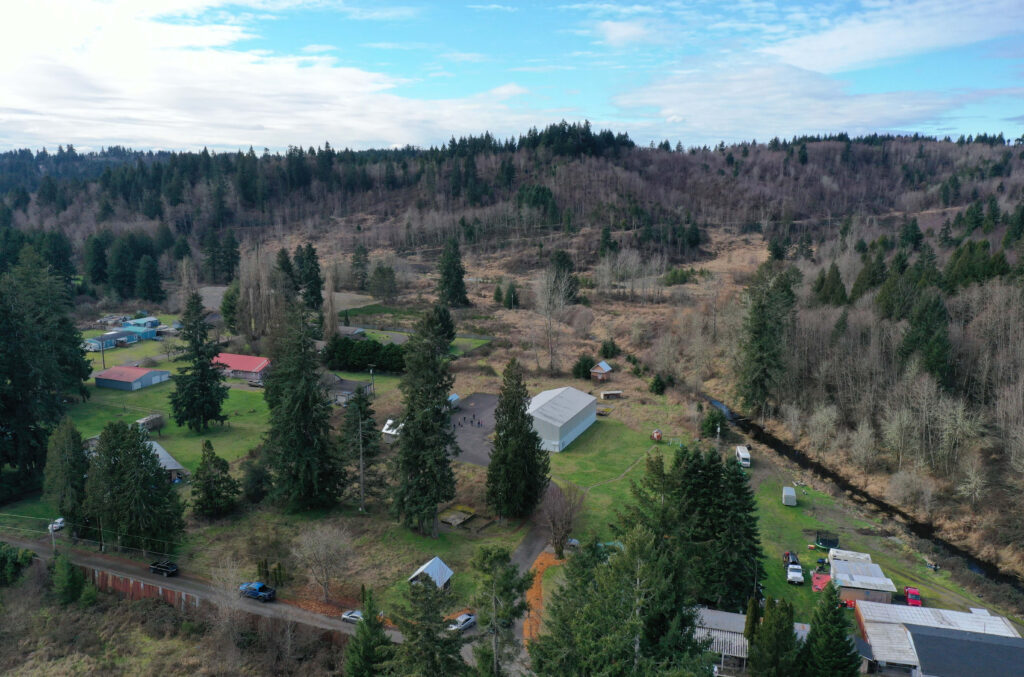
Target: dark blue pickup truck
258,591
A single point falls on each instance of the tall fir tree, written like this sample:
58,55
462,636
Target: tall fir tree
95,260
500,601
361,447
199,390
428,647
370,648
64,476
359,268
451,287
128,495
739,560
774,648
229,306
829,650
519,470
301,455
287,274
229,257
423,465
311,278
42,363
121,267
214,491
147,281
769,303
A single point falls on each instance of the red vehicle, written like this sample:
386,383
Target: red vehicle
913,596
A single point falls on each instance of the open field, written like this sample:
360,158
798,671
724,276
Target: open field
246,411
133,354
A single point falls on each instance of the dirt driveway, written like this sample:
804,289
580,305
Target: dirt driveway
474,422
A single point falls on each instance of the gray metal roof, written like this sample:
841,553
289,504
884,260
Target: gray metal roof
861,575
725,630
977,620
436,569
558,406
167,462
953,653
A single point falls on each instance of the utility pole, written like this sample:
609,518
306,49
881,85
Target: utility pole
362,478
373,388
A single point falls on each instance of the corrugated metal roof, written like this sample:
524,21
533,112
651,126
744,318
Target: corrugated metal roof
167,462
436,569
560,405
953,653
601,367
891,643
125,374
252,363
848,555
725,629
936,618
861,575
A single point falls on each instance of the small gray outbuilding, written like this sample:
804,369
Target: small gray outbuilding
788,496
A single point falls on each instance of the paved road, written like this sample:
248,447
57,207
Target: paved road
193,586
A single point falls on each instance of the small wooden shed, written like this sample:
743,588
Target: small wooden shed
601,371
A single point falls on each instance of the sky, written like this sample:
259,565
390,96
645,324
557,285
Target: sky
184,74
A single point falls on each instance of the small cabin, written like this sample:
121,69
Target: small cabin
743,456
788,496
600,371
391,430
611,394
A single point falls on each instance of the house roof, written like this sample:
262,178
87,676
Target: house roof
139,329
725,629
436,569
860,575
954,653
124,374
167,462
143,320
391,429
848,555
253,363
601,367
976,620
560,405
111,335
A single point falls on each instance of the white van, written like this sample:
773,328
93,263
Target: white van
743,456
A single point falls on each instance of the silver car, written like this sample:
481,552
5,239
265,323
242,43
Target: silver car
463,622
353,616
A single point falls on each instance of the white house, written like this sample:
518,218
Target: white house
561,415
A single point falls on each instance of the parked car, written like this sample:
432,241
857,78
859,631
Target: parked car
795,574
789,558
913,596
258,591
463,622
164,567
255,384
56,525
353,616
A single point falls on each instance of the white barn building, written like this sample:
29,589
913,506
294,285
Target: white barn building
561,415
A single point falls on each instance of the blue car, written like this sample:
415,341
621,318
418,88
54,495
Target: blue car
259,591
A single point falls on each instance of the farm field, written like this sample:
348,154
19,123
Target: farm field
133,354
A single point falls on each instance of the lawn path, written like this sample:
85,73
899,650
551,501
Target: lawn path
624,472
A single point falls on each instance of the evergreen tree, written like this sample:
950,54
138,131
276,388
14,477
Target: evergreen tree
229,307
422,470
42,364
229,257
199,391
370,648
753,619
428,647
181,248
214,490
382,284
121,268
512,296
928,335
739,557
95,260
769,302
519,470
829,650
147,281
127,493
211,249
498,297
361,446
829,288
564,268
67,580
774,647
500,601
287,273
360,266
64,476
451,288
311,279
870,276
607,245
304,461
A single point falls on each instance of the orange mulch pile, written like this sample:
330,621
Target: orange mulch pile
535,595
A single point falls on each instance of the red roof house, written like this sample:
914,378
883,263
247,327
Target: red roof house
243,366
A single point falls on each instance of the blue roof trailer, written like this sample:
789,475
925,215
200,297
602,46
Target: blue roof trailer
149,321
142,332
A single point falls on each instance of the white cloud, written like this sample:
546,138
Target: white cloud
899,29
493,8
464,57
544,68
622,33
607,8
318,49
741,100
120,73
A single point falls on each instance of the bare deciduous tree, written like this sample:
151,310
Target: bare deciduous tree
898,434
862,446
561,510
323,551
821,428
973,483
552,292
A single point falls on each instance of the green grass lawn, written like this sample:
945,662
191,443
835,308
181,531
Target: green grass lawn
246,411
155,350
461,346
383,383
598,461
378,309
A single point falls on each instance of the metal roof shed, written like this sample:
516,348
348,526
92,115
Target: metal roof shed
562,415
174,469
788,496
436,570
